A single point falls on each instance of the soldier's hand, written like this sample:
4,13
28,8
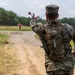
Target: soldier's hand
32,23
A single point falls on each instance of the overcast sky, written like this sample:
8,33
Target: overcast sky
22,7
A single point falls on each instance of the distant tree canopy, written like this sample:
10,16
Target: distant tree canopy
70,21
11,18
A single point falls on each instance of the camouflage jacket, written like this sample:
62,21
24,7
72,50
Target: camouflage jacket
56,38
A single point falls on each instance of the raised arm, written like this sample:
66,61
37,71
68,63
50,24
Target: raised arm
38,28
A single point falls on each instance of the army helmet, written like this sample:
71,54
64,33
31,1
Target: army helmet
52,11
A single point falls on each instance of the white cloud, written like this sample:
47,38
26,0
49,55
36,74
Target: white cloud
30,6
3,4
72,12
41,6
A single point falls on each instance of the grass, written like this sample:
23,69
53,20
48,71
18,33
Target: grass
72,43
3,38
15,28
7,56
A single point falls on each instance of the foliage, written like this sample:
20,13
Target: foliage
8,18
70,21
15,28
72,43
7,56
3,38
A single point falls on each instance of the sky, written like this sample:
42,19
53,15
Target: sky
22,7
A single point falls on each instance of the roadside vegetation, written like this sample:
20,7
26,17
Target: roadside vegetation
3,39
11,18
7,56
15,28
72,43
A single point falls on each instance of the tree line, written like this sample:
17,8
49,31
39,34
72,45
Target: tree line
70,21
11,18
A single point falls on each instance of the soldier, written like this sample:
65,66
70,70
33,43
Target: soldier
55,38
20,25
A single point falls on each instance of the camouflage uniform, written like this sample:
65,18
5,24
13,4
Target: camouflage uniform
56,38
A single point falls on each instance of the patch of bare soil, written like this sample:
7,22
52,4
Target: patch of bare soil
29,54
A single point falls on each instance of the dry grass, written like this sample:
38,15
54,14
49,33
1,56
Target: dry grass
15,28
7,56
7,60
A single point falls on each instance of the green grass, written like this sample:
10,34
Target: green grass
3,39
72,43
15,28
7,56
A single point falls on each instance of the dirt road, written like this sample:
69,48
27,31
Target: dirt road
28,52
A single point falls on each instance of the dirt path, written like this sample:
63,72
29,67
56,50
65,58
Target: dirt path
28,52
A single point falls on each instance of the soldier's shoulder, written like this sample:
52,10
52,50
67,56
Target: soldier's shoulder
39,24
67,26
33,23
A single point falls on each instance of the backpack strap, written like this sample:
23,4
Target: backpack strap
68,51
67,31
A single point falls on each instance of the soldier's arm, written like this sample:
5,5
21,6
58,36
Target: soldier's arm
36,27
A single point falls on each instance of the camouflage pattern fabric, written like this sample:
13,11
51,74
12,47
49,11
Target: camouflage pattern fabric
52,9
56,43
60,72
